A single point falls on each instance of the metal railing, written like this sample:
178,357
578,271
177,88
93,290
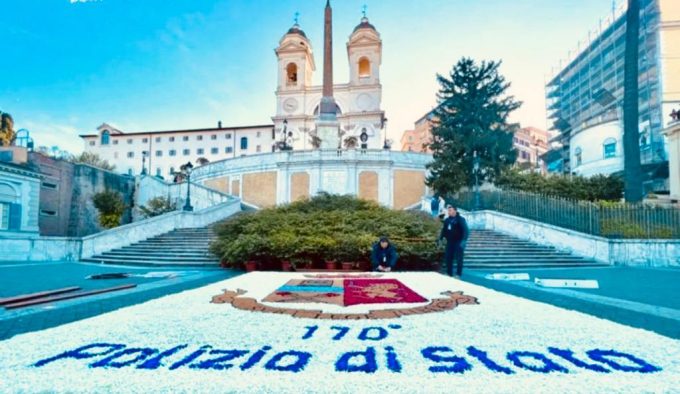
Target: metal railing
611,220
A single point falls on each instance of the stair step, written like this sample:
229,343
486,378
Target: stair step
154,257
151,263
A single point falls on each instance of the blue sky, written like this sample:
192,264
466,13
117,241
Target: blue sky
69,66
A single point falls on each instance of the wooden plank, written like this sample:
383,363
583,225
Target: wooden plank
24,297
67,296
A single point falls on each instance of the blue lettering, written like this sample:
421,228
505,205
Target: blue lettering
342,331
255,358
155,362
302,358
369,364
310,331
569,356
548,364
219,363
193,356
455,364
482,356
381,334
142,353
392,363
604,356
81,352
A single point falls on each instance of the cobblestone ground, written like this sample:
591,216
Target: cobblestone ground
23,278
647,298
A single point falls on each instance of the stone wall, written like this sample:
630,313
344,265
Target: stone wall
259,189
66,207
409,188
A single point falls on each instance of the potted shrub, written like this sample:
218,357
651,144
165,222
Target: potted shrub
251,265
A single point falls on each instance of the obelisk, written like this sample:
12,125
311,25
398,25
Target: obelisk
327,126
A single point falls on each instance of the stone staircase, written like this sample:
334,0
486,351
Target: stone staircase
181,247
490,249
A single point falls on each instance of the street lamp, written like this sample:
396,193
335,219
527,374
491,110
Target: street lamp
475,170
144,154
187,169
384,127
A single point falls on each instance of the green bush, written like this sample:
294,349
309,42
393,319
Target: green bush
110,205
595,188
157,206
327,227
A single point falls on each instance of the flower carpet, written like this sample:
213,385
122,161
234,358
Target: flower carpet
427,333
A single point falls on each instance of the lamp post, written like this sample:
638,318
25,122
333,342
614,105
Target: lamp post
384,127
475,170
187,170
144,154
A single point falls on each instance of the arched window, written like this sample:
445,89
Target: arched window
364,68
106,136
244,143
609,148
291,74
578,155
7,193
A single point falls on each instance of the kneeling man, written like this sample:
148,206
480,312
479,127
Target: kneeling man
383,256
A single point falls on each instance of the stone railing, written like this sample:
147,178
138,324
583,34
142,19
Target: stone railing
29,247
138,231
628,252
201,197
272,161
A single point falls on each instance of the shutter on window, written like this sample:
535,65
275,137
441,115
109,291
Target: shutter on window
14,216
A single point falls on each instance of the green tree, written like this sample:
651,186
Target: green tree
472,115
157,206
94,160
631,134
111,206
7,134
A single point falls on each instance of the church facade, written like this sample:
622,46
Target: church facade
358,101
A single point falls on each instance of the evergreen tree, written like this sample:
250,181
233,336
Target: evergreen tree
471,115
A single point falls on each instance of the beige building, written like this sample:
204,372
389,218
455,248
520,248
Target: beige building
530,144
418,139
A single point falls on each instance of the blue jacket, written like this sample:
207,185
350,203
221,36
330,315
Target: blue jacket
384,257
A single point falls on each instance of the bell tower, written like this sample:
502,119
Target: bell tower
364,52
295,60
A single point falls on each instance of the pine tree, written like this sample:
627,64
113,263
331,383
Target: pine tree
471,115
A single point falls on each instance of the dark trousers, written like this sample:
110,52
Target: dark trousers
453,252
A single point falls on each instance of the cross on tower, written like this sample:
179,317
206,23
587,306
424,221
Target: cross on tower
297,17
363,10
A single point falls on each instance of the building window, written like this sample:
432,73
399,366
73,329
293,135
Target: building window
228,149
130,155
49,185
172,170
578,155
291,74
129,171
258,148
186,152
129,141
214,151
158,139
115,142
145,140
199,151
244,143
106,137
158,172
91,143
171,139
259,134
4,216
173,152
47,212
364,68
159,153
609,147
199,138
213,137
228,136
185,138
115,155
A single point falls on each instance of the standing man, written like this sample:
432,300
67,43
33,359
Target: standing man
383,256
456,232
434,206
